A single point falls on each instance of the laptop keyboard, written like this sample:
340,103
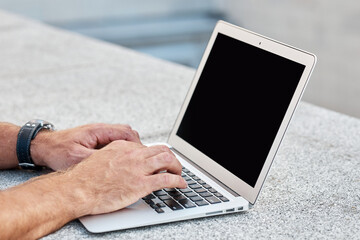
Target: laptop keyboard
197,194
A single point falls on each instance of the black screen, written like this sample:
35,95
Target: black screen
238,105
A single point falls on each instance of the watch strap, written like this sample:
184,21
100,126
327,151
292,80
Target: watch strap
26,134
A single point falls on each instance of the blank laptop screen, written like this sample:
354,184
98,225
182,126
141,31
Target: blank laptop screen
238,105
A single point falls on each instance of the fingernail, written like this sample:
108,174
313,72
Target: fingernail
186,185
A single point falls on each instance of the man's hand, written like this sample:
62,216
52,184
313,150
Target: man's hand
121,173
110,179
59,150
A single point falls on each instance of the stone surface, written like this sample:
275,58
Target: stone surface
312,190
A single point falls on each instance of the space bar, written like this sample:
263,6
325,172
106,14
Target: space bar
173,205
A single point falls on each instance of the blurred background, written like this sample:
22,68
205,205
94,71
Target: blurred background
178,31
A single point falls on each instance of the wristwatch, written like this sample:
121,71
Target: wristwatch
27,133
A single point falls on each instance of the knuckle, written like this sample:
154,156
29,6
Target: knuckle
73,155
167,157
126,126
136,134
163,148
96,125
127,133
116,143
165,179
94,128
136,153
68,154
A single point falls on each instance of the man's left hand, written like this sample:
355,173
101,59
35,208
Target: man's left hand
59,150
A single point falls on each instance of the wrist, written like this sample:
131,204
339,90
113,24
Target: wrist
39,148
78,196
27,134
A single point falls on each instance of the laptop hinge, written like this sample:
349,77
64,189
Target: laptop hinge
206,173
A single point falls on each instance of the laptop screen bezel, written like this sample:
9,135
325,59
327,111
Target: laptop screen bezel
212,167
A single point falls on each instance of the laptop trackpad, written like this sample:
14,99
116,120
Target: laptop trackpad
126,217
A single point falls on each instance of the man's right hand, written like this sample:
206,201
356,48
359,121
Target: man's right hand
111,178
120,174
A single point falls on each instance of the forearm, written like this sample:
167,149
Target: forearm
40,206
8,138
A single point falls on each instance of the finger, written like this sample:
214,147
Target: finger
122,132
155,150
166,180
128,145
131,135
163,162
159,158
106,133
137,135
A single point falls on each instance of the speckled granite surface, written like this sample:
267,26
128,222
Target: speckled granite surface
313,189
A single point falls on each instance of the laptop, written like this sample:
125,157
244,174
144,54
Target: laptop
229,128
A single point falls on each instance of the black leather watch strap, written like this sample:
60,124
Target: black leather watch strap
26,134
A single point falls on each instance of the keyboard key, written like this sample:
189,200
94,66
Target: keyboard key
179,197
190,194
150,196
200,190
212,200
206,194
185,170
159,210
218,194
187,203
173,205
185,190
207,186
170,189
190,182
196,198
212,190
190,174
160,205
166,197
153,205
174,194
201,203
196,178
201,182
159,193
186,178
148,201
194,186
224,199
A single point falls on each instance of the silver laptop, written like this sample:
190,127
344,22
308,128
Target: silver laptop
228,130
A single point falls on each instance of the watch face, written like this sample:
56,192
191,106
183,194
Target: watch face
43,124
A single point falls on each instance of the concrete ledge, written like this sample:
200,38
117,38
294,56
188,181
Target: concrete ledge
312,191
